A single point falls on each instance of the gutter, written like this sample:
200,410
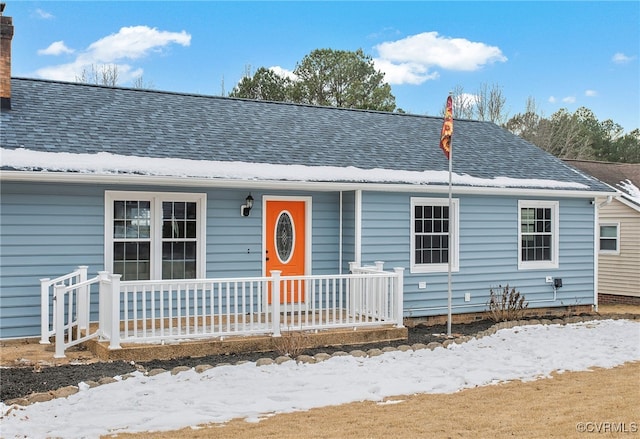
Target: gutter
317,186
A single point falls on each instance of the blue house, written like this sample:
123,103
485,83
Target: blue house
156,185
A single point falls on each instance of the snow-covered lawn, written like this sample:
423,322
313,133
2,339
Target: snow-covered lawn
167,402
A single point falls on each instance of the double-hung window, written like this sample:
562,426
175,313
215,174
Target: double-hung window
538,229
155,235
434,235
610,238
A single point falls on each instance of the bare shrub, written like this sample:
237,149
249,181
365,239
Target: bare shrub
506,304
291,343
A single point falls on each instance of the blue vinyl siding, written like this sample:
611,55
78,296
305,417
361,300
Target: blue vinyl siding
234,243
348,230
48,230
488,253
326,239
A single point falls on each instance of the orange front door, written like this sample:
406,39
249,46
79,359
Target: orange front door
285,245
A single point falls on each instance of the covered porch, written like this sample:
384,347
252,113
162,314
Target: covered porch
189,317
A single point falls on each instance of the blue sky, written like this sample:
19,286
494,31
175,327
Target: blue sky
562,54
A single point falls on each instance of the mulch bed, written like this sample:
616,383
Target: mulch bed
16,382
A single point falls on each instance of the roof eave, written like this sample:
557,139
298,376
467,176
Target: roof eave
316,186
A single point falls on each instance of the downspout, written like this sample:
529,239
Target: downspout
596,246
358,227
340,237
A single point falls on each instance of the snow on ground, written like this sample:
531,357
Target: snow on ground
166,402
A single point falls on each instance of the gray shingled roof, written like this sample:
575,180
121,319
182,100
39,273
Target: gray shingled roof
78,118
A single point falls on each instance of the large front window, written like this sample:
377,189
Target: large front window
154,235
132,239
434,231
538,233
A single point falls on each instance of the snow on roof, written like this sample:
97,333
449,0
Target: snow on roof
632,191
103,163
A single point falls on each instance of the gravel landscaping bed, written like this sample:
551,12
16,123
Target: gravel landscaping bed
27,384
18,382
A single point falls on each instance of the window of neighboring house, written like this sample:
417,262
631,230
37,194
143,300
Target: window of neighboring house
434,235
154,235
610,238
538,230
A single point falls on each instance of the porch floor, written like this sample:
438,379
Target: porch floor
28,352
140,352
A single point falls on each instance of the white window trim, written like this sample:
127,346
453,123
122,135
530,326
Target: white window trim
555,230
156,199
454,232
610,224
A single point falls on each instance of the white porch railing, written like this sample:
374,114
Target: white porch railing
47,324
171,310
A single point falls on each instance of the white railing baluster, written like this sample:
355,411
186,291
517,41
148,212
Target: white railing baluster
153,312
275,302
235,304
170,301
333,299
251,309
220,319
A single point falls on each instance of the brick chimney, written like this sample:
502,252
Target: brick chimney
6,34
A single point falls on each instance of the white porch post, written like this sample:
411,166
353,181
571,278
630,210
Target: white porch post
44,311
275,301
58,304
103,301
399,296
83,299
114,342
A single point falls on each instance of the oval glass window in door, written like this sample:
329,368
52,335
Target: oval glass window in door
284,237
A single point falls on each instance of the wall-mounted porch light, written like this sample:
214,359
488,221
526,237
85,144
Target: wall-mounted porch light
245,209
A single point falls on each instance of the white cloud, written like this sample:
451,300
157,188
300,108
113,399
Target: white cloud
552,99
134,42
129,43
590,93
55,48
404,73
41,13
280,71
569,99
621,58
73,71
464,101
412,59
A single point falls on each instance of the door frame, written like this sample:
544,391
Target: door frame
307,226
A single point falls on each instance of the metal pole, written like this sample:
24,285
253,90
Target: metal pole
450,254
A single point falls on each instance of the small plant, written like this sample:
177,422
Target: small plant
506,304
291,344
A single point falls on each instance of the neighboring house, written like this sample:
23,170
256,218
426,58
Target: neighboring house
619,231
150,184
